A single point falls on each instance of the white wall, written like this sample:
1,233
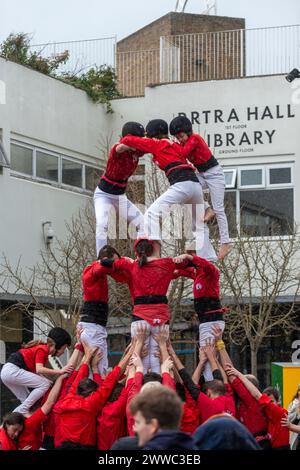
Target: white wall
166,101
46,112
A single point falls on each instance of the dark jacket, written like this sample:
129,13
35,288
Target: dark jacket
170,440
224,433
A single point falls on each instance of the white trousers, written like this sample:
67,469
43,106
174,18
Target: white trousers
184,193
122,206
214,180
206,333
95,336
19,381
207,251
151,361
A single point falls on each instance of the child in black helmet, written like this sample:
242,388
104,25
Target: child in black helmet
24,368
184,185
210,173
111,190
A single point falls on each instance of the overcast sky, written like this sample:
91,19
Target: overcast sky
64,20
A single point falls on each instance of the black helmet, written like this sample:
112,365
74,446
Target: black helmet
133,128
60,337
180,124
156,127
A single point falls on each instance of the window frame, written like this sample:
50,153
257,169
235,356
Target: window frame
54,183
79,162
251,186
84,175
39,178
277,166
232,185
267,187
17,144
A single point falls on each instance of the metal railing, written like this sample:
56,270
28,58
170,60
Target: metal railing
210,56
83,54
186,58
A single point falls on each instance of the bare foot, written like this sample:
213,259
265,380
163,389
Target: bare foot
208,215
224,250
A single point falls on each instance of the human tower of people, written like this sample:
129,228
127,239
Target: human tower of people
149,400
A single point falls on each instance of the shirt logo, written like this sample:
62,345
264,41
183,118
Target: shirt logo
198,286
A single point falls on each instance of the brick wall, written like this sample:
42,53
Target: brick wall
202,57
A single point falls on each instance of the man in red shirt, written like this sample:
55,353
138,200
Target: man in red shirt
94,312
279,434
218,397
111,190
85,399
184,185
207,303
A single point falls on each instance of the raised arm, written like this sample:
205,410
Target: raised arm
220,345
200,367
233,373
144,144
53,395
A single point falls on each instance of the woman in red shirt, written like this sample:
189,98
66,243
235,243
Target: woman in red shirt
13,424
24,368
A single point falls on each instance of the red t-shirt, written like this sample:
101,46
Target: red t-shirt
164,151
191,414
206,278
111,423
152,279
6,443
94,282
78,414
134,387
212,406
196,150
249,413
280,435
32,434
121,166
36,355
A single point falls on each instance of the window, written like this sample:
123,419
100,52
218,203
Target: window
50,166
21,159
251,177
230,178
92,176
267,213
46,166
279,175
71,173
262,205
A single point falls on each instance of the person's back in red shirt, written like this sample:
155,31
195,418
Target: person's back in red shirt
78,413
111,423
280,436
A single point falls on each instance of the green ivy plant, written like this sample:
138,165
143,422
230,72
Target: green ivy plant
100,83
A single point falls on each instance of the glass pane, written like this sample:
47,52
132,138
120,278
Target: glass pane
92,176
251,177
230,211
21,159
267,212
280,175
46,166
71,173
228,177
